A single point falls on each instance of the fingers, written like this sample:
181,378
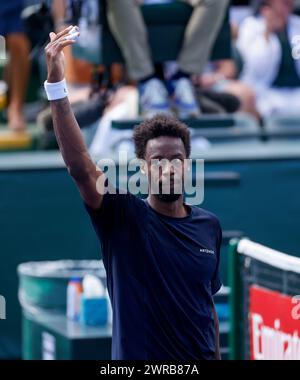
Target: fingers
73,34
55,48
65,40
59,45
63,33
60,40
52,36
63,44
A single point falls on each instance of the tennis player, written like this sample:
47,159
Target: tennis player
161,255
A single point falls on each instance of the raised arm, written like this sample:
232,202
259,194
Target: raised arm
85,173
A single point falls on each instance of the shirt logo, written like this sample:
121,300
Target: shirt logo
204,250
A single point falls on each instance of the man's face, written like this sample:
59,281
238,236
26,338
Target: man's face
165,167
283,8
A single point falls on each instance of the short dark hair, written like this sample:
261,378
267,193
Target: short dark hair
160,125
257,5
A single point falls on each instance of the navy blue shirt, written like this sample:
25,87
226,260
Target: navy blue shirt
161,274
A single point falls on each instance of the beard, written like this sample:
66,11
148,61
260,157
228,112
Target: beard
168,194
168,198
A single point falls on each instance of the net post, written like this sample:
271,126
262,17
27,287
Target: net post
235,299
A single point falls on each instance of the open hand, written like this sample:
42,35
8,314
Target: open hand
54,54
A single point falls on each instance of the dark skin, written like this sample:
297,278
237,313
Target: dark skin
170,148
87,176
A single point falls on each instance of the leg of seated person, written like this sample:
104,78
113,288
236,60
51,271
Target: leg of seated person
18,74
127,24
200,34
246,96
128,27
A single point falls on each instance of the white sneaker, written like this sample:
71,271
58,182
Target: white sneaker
154,98
184,99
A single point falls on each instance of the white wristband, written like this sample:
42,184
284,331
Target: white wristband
56,90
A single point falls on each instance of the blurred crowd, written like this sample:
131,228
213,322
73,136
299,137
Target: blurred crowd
261,79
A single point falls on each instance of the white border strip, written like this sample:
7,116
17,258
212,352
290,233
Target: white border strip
269,256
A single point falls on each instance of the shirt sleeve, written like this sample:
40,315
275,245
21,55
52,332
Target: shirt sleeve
216,282
115,213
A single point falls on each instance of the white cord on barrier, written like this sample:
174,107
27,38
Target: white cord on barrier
269,256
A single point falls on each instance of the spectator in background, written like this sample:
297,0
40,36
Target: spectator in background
17,71
265,44
127,25
221,76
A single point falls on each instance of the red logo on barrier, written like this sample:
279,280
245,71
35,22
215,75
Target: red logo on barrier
274,332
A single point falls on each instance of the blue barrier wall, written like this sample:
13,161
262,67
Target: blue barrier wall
253,189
